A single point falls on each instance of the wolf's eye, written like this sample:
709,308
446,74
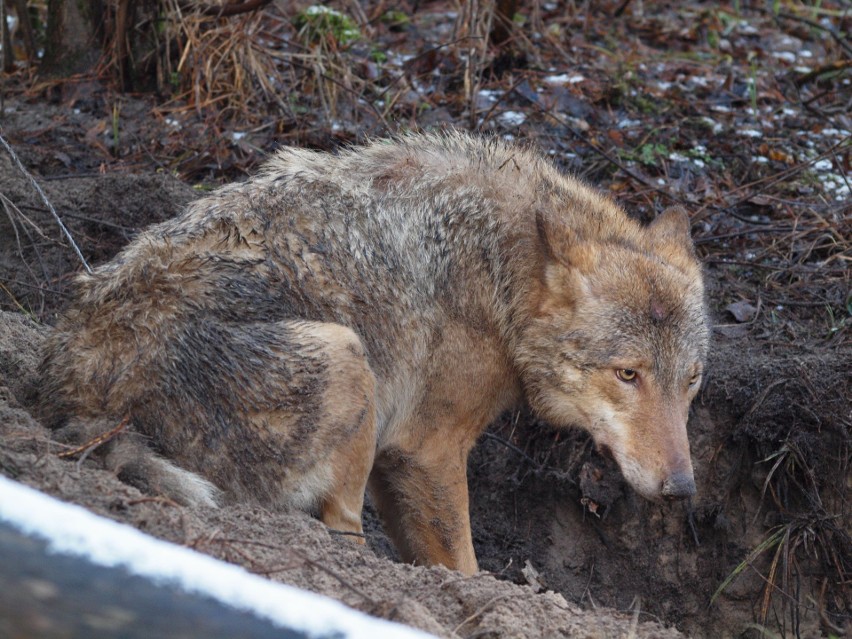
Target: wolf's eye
626,374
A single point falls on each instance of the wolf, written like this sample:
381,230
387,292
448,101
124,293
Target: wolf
355,321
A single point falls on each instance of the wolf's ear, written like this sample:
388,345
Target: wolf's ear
672,227
563,261
554,239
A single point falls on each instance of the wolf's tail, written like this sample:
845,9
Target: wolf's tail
127,455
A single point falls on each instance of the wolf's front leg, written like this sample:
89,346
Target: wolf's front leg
423,502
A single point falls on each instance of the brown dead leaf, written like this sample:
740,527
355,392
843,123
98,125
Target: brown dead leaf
742,311
761,200
778,155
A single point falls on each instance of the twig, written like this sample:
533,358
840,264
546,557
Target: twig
511,446
155,500
346,533
93,443
770,180
485,607
331,573
760,398
816,25
301,555
234,9
634,623
46,201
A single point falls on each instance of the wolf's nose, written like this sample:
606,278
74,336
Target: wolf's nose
678,486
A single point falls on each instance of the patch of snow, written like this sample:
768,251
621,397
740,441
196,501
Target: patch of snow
579,123
674,156
664,86
746,29
801,69
822,165
512,118
564,78
398,59
698,162
760,159
804,53
492,95
714,125
237,135
750,133
788,111
700,80
72,530
319,10
787,56
836,133
661,181
720,108
627,123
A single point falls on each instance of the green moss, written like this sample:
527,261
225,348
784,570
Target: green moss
317,22
378,56
396,20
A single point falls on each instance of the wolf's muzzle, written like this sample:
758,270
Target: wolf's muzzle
678,486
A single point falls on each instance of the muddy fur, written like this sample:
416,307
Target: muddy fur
339,319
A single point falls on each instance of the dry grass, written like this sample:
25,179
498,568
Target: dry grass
248,67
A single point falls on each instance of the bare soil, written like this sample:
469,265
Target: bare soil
566,548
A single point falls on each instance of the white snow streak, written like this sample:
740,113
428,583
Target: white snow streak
72,530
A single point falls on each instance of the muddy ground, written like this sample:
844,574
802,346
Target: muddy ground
565,547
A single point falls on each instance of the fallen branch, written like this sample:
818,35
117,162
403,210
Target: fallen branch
46,201
92,444
226,10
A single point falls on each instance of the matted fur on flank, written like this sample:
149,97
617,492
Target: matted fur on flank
354,321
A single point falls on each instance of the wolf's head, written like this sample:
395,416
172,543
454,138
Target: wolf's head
617,346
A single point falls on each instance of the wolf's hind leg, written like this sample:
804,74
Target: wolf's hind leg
281,413
348,403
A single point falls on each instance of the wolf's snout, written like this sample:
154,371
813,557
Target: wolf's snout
678,486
